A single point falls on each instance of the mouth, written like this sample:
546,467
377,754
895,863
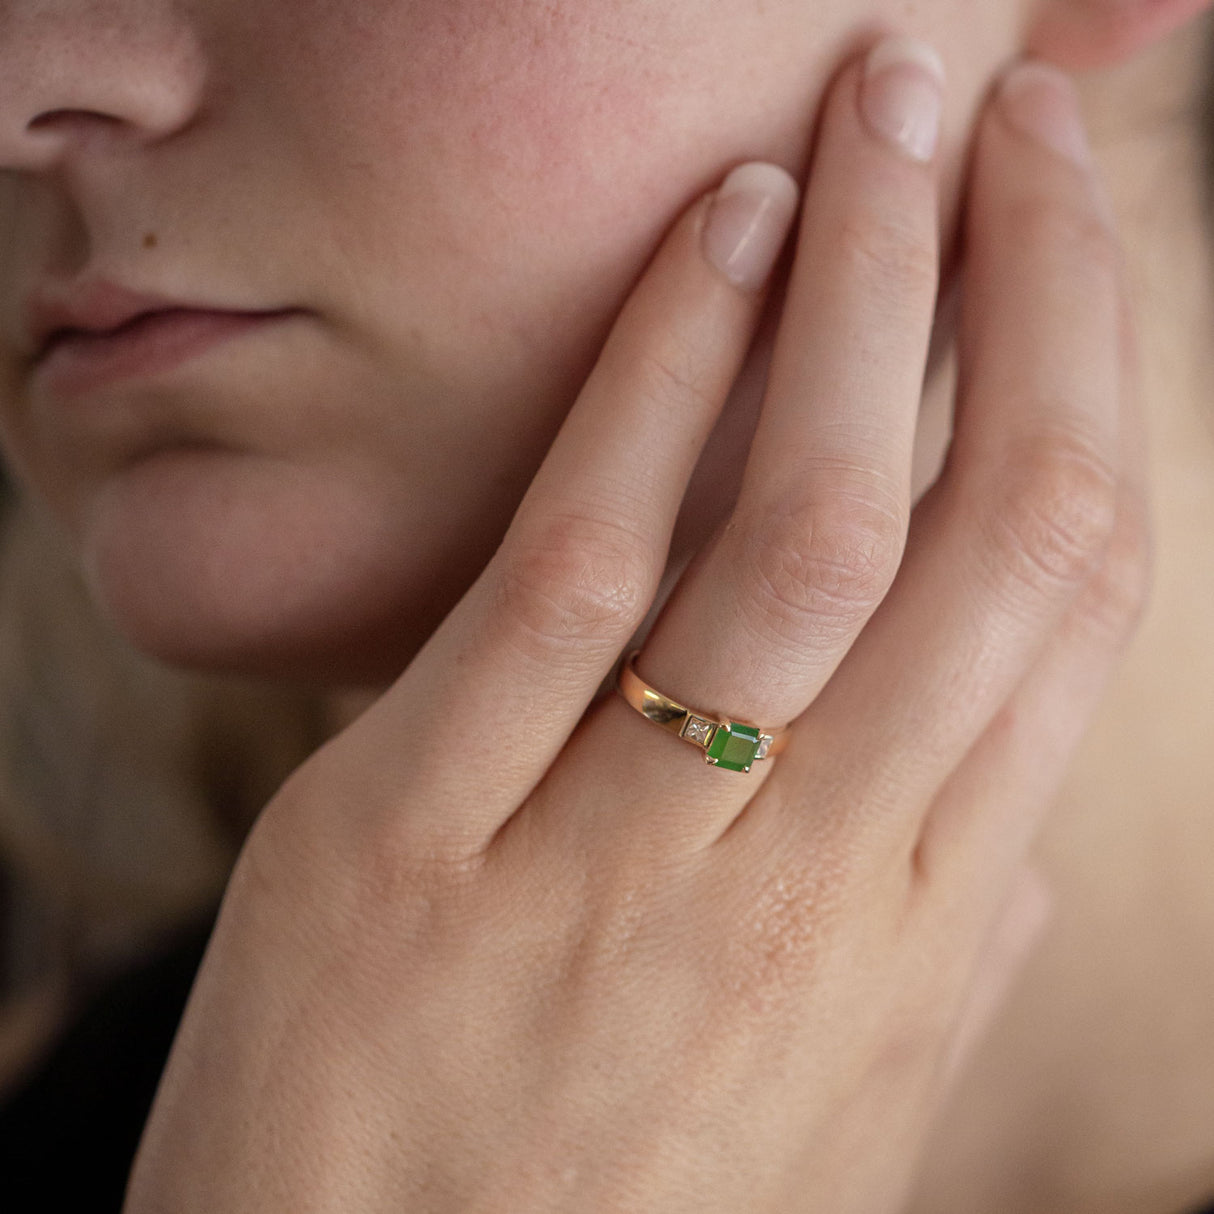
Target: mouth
73,361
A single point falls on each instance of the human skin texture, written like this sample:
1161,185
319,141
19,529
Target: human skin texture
506,980
294,531
457,214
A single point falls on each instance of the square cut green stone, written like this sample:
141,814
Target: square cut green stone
734,748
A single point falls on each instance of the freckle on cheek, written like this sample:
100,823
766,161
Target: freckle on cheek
150,241
545,92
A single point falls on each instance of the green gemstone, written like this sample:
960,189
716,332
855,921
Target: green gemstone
734,747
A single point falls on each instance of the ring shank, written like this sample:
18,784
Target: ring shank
689,724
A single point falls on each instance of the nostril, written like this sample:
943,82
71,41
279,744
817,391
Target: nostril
57,118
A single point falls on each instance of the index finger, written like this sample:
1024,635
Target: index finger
504,681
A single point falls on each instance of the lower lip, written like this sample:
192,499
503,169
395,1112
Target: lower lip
154,343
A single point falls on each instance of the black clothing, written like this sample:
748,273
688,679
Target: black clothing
69,1131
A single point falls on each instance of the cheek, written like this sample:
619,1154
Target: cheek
481,182
581,116
515,163
519,83
529,120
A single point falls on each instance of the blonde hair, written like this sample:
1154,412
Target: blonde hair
126,788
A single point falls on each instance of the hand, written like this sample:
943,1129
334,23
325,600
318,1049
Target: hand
489,950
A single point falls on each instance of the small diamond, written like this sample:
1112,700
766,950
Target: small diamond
764,746
698,730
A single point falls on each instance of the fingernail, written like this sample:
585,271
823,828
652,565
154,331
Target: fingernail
748,222
1041,102
902,96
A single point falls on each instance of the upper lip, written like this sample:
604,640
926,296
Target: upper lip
97,306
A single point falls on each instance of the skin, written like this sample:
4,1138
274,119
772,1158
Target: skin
323,484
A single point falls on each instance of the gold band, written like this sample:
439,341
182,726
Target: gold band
733,745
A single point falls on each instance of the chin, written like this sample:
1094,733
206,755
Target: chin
264,624
290,649
211,565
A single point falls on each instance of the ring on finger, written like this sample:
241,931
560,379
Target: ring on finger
726,743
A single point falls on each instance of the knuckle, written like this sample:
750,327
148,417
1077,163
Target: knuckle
576,580
888,255
909,1040
1116,599
355,841
1054,521
1078,235
823,566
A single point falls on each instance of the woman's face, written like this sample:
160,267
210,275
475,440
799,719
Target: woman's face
451,197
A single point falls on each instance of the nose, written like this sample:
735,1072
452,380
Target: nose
75,72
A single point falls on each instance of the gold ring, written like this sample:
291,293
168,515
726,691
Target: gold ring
733,745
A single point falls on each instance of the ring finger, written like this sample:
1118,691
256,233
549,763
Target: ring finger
758,623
